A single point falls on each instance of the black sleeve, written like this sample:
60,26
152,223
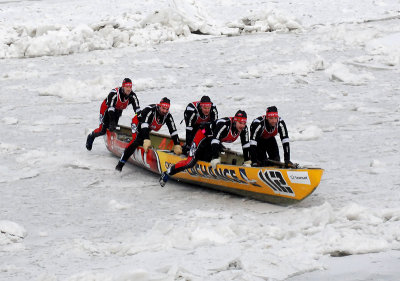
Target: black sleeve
189,136
244,138
213,114
256,129
283,133
172,129
255,132
112,116
135,102
190,116
145,119
220,130
110,101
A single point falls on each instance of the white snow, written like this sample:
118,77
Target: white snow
180,19
341,73
332,70
11,232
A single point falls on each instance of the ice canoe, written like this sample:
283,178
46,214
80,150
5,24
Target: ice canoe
273,184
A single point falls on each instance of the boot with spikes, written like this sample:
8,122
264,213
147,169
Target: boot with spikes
119,166
163,179
89,141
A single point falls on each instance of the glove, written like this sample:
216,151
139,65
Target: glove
247,163
177,149
215,162
146,144
113,126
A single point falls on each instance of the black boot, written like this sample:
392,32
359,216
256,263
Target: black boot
163,179
119,166
89,141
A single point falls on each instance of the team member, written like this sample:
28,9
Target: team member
263,130
197,113
111,109
151,118
207,142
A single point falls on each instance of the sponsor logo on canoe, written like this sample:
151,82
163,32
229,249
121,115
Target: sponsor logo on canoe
231,175
274,179
299,177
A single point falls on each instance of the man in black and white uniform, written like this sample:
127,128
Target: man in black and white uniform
196,114
207,143
111,110
151,118
263,145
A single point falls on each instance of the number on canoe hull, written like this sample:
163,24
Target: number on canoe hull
275,180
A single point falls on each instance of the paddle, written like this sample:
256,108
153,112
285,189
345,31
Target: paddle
281,164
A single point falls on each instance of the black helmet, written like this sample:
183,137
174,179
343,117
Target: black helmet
127,82
241,113
165,100
164,103
272,111
205,99
240,116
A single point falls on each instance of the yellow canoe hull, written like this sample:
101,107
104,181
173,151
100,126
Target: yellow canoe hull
269,184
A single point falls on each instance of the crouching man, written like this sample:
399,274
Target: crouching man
151,118
111,110
263,145
207,141
196,114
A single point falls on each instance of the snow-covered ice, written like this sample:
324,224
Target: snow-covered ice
332,70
